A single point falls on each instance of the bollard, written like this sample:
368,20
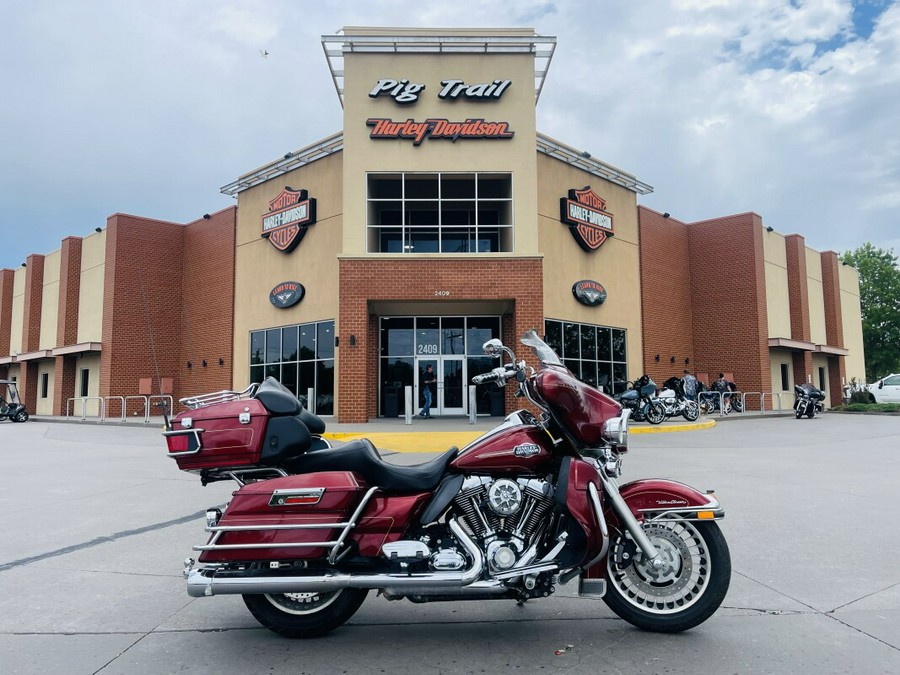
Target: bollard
407,394
472,407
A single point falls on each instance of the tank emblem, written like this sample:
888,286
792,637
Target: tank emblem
527,450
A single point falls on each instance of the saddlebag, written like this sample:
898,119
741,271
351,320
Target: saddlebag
294,517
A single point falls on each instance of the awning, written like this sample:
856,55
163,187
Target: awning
802,346
77,349
33,356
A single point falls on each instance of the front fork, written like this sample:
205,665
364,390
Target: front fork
626,517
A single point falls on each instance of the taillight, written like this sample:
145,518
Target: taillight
178,443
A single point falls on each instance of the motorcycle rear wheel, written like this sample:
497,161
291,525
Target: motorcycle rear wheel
656,413
691,411
305,615
683,594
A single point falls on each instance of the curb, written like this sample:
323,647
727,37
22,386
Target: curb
696,426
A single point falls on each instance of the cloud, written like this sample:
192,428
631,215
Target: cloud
786,108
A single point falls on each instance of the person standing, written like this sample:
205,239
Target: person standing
690,386
426,382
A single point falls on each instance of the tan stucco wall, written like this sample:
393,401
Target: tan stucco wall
18,311
821,361
90,300
614,265
516,106
778,304
817,333
45,405
851,315
259,266
91,362
50,301
776,358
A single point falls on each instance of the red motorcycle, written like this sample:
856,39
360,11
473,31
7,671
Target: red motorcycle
529,505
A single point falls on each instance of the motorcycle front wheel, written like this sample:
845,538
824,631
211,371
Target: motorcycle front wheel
683,593
656,413
305,615
691,411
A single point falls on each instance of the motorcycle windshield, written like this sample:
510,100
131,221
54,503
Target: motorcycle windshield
540,348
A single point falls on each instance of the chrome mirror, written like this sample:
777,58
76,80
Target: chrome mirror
493,347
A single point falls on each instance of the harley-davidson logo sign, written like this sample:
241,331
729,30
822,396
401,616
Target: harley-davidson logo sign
287,294
589,293
584,211
290,214
527,450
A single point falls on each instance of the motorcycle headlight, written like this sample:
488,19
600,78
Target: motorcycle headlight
615,430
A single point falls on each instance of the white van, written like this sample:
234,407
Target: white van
887,389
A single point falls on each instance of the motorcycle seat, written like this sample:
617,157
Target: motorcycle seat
362,457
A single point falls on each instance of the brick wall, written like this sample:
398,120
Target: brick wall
168,292
798,299
666,267
6,295
207,304
67,322
31,328
834,323
728,286
518,280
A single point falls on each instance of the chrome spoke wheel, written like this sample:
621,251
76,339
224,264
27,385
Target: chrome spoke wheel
303,603
678,583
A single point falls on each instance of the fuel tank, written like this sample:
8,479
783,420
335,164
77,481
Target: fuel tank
517,446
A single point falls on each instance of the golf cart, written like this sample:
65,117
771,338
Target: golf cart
11,406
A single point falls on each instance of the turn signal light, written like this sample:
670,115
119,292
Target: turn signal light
705,515
177,443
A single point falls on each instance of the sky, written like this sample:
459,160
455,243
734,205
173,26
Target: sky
788,108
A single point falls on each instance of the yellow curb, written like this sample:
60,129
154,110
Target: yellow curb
424,441
708,424
438,441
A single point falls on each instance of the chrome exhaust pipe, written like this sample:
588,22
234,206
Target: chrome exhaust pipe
206,582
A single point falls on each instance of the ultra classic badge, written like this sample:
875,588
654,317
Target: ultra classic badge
589,293
584,212
290,214
286,294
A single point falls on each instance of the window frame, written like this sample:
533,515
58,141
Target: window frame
496,237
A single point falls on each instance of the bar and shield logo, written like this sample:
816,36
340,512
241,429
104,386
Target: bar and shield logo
289,216
584,211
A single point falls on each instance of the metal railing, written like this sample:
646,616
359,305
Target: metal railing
146,414
84,400
112,399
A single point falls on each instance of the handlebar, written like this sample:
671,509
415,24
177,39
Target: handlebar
500,374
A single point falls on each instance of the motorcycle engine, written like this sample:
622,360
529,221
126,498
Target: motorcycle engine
503,515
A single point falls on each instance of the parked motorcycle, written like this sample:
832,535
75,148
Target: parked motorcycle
809,400
676,403
711,401
528,506
641,399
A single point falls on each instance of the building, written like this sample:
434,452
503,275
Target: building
437,218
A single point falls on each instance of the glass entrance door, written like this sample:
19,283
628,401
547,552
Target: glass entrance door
452,399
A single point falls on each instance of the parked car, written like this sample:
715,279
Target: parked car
887,389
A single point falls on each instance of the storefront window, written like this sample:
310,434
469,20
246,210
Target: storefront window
439,213
301,357
595,354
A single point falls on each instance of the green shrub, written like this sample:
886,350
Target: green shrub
860,397
870,407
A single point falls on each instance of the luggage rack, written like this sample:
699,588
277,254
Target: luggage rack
204,400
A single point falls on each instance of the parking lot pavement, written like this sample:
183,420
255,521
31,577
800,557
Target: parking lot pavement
97,521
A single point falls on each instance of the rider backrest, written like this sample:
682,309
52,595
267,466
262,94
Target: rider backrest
277,399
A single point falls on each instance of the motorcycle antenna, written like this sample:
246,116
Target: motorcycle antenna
166,425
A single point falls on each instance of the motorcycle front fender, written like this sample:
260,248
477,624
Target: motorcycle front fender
657,497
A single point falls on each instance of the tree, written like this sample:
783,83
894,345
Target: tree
879,297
